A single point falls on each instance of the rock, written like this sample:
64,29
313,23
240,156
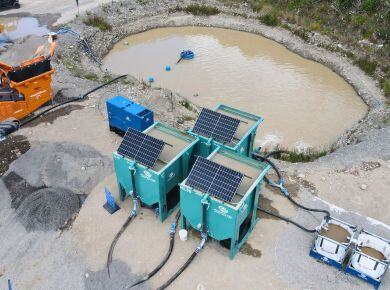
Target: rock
83,168
363,186
301,175
126,43
323,178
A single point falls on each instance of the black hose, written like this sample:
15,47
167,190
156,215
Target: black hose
286,220
113,244
197,250
167,256
70,100
277,152
265,159
180,59
327,213
281,182
181,270
125,225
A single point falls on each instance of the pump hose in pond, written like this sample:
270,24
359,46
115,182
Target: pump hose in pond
194,254
167,256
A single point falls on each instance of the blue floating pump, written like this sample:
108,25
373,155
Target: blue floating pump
168,68
150,79
187,54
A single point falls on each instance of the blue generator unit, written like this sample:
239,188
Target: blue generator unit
124,114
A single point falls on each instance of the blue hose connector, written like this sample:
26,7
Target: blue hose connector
172,229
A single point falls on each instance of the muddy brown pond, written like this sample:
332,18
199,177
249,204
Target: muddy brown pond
304,104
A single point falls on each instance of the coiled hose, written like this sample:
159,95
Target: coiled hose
167,256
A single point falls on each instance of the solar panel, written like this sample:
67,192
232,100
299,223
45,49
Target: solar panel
141,147
216,125
215,179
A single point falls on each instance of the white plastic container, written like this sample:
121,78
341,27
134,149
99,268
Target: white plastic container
183,234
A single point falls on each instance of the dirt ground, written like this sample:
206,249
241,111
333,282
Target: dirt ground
64,149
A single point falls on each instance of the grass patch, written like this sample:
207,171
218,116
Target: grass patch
367,65
302,33
295,157
186,104
197,10
269,19
185,118
92,77
386,87
97,21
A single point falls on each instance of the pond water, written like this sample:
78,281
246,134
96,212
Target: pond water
12,28
304,104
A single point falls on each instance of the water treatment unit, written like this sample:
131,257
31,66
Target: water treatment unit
229,184
152,164
226,127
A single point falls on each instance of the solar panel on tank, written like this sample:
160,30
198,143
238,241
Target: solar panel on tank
215,179
141,147
216,125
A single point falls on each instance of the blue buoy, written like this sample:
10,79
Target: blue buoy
150,79
168,68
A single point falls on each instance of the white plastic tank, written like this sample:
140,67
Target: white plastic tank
371,256
333,239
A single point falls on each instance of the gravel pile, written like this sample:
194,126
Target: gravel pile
48,184
41,208
47,209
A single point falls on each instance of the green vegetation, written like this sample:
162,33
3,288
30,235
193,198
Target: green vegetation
269,19
186,104
91,77
367,65
345,21
185,118
198,10
97,21
386,87
295,157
